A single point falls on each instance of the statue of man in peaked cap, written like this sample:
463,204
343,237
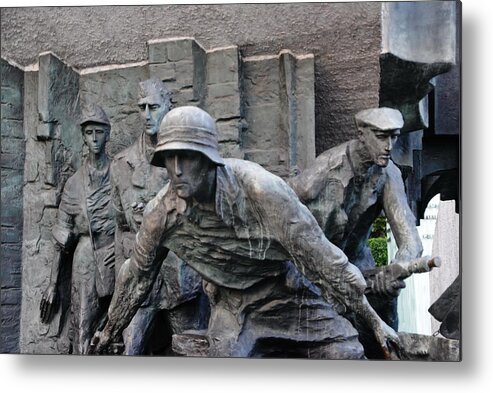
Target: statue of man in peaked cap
347,189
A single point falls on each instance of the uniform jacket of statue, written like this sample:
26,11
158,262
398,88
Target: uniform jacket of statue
86,210
346,205
134,183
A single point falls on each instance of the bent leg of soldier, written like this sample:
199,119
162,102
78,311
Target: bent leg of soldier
136,335
298,322
85,303
221,337
385,307
178,291
190,315
281,316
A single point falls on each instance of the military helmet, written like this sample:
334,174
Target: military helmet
92,113
187,128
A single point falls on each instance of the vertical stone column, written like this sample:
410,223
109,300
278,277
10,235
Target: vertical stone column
12,169
278,94
53,146
179,63
298,93
223,100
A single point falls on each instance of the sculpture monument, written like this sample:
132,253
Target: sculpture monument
238,226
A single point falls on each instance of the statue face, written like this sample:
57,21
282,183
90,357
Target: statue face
95,137
378,143
188,172
152,109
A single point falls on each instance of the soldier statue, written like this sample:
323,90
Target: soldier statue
85,229
346,190
135,182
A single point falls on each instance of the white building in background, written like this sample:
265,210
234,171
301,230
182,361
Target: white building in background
446,244
439,231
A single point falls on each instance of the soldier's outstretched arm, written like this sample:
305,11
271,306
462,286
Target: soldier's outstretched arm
401,218
340,281
134,280
321,261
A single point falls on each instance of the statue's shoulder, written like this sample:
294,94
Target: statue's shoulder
127,154
73,189
124,161
393,172
329,167
256,181
76,179
332,159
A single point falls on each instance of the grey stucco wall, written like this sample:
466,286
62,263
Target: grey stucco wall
344,37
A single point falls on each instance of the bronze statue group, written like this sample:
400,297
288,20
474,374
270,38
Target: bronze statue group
219,257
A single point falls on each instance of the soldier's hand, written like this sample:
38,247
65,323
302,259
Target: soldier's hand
100,343
388,340
384,283
48,304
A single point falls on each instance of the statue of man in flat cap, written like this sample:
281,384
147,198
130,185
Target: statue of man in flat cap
274,281
135,182
349,186
85,228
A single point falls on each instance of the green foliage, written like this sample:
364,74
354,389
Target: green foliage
378,247
379,228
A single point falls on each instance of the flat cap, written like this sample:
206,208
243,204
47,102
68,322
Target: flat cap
381,118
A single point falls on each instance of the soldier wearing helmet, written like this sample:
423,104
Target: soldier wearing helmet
177,289
239,226
85,228
347,189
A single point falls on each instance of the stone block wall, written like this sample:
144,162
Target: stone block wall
12,170
207,79
234,90
180,64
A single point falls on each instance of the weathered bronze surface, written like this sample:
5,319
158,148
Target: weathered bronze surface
238,225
